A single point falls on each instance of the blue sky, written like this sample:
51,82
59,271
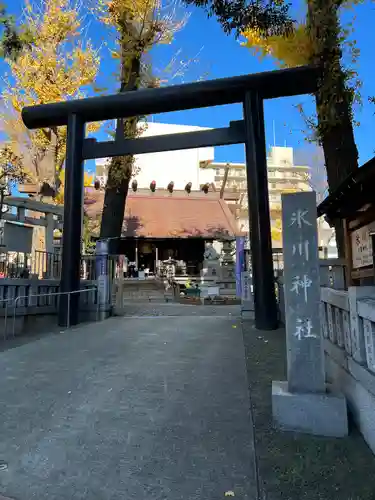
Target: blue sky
221,55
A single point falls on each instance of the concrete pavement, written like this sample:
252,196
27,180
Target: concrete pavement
145,407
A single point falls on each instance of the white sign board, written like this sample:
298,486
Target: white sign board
246,283
247,243
213,291
247,302
362,246
103,289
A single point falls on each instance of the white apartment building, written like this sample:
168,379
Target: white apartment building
283,176
198,167
180,167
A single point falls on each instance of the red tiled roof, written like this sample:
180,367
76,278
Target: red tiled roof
176,215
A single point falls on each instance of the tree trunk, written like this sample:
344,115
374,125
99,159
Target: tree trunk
115,199
120,169
334,100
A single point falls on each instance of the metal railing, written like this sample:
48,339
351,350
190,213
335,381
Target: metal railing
5,315
54,294
48,265
14,264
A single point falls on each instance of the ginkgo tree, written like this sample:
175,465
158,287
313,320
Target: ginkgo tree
88,182
139,25
321,40
56,65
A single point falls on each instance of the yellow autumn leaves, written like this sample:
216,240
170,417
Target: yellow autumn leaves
293,49
88,180
276,230
139,24
56,66
60,64
114,12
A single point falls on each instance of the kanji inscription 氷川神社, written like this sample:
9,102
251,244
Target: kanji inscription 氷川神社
302,292
301,284
299,218
303,403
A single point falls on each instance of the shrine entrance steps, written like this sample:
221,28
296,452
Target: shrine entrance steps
151,290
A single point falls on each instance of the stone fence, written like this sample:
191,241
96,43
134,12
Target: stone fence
332,275
24,300
348,329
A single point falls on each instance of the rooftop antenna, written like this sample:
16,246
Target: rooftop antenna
274,133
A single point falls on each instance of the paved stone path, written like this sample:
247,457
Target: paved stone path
131,408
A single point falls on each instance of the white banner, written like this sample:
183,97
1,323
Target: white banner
247,302
362,246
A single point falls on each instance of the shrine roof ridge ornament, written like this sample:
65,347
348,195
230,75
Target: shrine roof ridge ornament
268,85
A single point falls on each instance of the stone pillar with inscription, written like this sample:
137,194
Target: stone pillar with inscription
304,402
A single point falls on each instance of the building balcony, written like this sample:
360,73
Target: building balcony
286,177
286,166
290,188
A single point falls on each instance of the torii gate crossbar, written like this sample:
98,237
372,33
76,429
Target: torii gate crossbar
250,90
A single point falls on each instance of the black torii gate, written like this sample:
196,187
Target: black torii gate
250,90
